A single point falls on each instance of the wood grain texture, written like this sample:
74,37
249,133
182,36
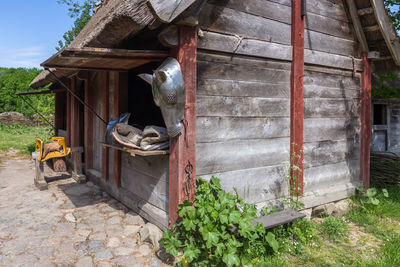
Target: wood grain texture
366,111
324,129
297,100
241,154
75,114
257,184
331,108
105,111
229,21
88,119
167,10
357,25
68,118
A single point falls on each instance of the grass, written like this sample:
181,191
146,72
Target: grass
368,236
22,138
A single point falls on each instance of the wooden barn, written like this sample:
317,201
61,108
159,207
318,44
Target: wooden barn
267,83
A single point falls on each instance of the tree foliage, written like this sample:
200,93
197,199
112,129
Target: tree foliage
81,11
14,80
392,6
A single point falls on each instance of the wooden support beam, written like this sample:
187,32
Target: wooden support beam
182,163
120,106
373,28
105,109
58,113
357,25
88,119
365,11
75,114
167,10
297,100
68,119
366,107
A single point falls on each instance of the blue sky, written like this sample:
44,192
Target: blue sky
30,30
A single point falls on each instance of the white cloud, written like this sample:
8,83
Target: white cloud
22,57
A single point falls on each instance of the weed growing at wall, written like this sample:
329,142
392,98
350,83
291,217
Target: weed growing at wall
216,230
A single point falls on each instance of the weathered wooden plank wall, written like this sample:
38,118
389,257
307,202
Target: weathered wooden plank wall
394,136
243,95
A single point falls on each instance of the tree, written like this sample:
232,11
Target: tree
393,6
81,12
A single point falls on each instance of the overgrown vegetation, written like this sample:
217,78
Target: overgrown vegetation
392,6
22,138
14,80
81,11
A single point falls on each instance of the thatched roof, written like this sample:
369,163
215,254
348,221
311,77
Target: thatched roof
114,21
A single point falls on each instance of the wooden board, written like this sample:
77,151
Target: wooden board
331,108
241,154
137,152
105,112
255,185
278,218
323,129
89,58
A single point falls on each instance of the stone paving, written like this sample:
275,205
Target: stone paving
70,224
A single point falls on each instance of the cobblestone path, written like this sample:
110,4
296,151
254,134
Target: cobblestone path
70,224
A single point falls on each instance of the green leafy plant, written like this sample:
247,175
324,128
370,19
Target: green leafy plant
335,228
370,196
216,230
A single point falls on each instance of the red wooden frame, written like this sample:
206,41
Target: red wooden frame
88,118
183,148
75,114
366,107
105,103
297,100
68,119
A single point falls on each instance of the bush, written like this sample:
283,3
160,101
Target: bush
216,230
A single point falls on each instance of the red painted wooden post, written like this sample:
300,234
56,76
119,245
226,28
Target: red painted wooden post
58,111
297,99
117,153
68,119
75,115
182,166
105,109
365,122
88,135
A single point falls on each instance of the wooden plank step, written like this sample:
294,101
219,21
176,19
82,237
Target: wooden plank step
373,28
278,218
365,11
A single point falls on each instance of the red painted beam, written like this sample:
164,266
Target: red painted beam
105,111
58,112
88,118
75,114
297,100
366,107
68,119
182,167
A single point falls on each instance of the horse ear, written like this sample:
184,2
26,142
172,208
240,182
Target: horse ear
147,77
161,76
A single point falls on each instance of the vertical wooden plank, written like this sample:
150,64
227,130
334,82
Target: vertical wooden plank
182,167
75,114
88,129
105,115
366,107
68,119
297,99
58,110
117,153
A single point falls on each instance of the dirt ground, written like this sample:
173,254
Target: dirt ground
69,224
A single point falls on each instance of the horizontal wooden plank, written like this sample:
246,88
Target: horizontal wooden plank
315,77
218,129
331,108
316,91
278,218
216,87
225,71
154,191
339,173
242,106
232,44
333,9
255,185
331,152
240,154
156,167
282,13
229,21
323,129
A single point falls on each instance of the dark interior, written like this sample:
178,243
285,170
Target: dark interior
141,105
380,117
